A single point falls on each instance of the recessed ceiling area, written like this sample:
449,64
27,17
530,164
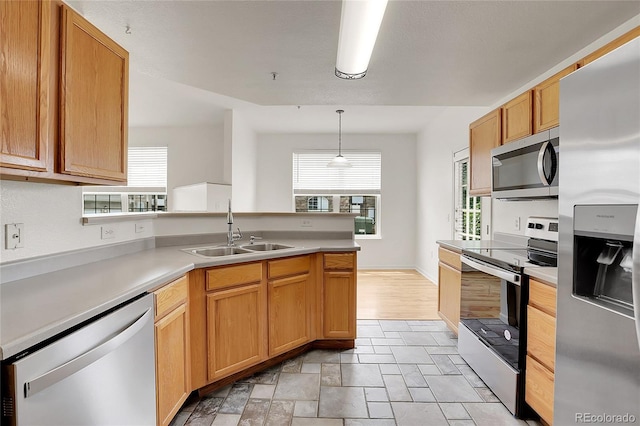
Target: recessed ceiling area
428,53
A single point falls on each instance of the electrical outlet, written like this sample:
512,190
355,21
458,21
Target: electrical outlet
13,235
306,223
516,223
107,233
140,227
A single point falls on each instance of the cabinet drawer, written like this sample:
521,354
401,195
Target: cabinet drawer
339,261
542,296
539,389
227,276
170,296
449,257
290,266
541,338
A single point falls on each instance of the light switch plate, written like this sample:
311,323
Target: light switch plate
13,235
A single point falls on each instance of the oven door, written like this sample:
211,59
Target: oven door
492,346
527,168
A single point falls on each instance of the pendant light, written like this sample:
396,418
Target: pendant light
339,161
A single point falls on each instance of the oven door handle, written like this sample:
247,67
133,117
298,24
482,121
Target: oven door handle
491,270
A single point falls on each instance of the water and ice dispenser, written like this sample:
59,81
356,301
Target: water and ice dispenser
602,255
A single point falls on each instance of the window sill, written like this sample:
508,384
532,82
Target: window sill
97,219
367,237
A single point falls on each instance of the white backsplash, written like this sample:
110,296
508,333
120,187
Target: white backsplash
505,214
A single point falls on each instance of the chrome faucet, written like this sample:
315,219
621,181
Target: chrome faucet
231,236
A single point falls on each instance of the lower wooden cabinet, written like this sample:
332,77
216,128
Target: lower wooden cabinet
449,280
236,334
172,336
541,349
339,296
288,319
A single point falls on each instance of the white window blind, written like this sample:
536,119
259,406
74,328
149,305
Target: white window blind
312,176
147,166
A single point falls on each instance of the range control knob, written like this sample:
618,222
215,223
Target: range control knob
539,226
531,225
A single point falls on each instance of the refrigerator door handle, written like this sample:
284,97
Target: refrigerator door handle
54,376
635,275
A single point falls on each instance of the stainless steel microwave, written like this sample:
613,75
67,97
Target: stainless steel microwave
527,168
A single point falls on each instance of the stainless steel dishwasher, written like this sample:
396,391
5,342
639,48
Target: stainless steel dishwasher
103,373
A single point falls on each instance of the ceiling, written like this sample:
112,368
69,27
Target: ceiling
190,60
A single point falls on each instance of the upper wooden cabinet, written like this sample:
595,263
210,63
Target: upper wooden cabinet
610,46
484,135
546,103
24,84
63,97
516,118
93,101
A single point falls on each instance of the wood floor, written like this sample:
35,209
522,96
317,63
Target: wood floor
396,294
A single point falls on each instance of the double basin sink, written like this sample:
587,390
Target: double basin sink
217,251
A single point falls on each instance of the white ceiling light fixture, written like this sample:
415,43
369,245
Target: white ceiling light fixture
339,161
359,27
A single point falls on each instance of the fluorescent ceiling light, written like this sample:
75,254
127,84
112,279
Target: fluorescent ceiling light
359,27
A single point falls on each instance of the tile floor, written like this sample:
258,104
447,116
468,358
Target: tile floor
404,373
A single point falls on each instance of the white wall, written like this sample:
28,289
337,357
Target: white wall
195,154
51,215
396,248
505,213
444,134
244,161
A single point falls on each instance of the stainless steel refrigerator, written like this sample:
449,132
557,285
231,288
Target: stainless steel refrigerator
597,372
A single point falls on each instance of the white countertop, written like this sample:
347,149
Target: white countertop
459,245
40,307
544,273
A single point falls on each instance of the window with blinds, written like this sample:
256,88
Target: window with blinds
147,166
318,188
312,176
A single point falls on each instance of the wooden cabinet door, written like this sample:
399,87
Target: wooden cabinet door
172,363
339,305
484,135
93,101
288,313
539,389
24,84
236,329
546,102
449,281
516,118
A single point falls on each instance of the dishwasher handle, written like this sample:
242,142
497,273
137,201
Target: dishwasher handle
491,270
71,367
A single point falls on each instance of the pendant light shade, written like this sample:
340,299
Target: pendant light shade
359,25
339,161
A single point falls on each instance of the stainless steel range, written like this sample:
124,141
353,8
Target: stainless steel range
496,347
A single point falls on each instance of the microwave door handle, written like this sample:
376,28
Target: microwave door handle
541,171
491,270
635,276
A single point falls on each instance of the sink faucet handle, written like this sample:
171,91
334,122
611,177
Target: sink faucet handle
253,238
237,236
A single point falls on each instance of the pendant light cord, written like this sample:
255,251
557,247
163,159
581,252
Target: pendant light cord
340,132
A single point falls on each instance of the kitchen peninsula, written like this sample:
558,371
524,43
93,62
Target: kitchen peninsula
275,303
